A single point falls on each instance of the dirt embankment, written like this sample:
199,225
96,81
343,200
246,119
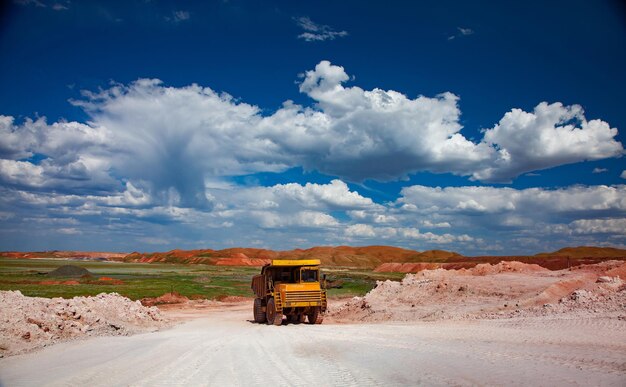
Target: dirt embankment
27,323
505,290
166,299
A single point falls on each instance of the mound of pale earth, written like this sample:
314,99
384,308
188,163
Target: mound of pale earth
32,322
504,267
619,271
508,289
467,268
69,271
394,267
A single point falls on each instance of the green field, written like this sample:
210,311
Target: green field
155,279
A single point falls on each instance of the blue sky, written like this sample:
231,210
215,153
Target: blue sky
478,127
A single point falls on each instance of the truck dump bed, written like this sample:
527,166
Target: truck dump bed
258,285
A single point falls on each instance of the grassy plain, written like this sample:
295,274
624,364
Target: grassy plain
154,279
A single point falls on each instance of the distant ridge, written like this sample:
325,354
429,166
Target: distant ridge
67,254
561,259
365,257
381,258
587,252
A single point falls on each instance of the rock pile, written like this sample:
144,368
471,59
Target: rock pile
31,322
69,271
505,290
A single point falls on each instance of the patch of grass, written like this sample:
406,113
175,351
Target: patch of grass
139,279
155,279
356,282
352,287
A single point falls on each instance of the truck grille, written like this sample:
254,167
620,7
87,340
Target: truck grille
302,296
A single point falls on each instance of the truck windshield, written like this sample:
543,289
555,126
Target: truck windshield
309,275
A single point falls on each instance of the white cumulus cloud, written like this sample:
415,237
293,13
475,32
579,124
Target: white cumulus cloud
551,135
20,172
404,234
328,197
180,137
300,219
360,230
532,203
167,155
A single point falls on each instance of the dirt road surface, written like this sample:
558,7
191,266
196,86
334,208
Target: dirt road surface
222,347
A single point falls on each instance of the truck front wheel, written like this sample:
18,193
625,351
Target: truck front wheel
316,316
273,316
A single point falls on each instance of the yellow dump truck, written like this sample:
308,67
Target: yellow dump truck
292,288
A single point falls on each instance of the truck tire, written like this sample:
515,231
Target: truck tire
316,316
273,317
259,316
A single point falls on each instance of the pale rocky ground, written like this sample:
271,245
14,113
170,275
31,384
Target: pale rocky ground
218,345
27,323
506,324
505,290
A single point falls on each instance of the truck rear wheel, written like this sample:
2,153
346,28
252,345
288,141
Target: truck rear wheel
259,316
273,316
316,316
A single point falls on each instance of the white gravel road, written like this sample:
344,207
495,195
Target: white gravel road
222,348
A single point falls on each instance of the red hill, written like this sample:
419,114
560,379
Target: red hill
366,257
586,252
381,258
64,255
